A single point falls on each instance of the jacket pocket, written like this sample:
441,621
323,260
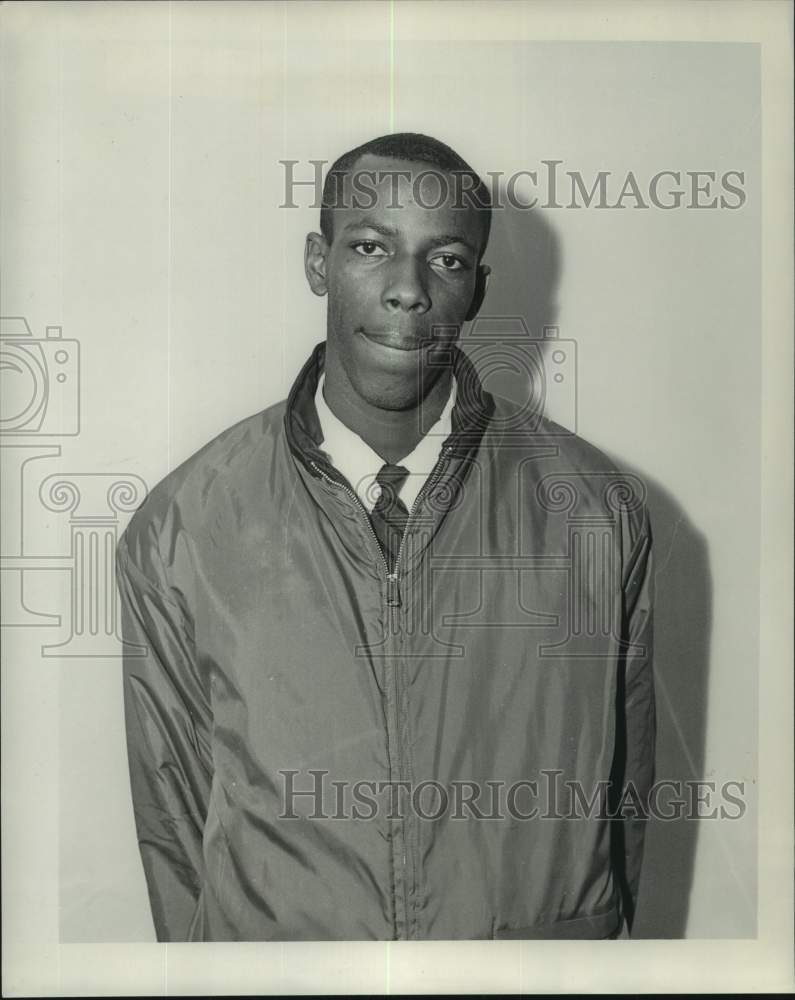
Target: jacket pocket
594,926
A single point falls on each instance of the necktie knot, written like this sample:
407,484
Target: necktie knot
390,479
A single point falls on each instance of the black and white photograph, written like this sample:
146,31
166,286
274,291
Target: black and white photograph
396,438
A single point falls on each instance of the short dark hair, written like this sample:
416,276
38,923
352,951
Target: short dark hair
412,147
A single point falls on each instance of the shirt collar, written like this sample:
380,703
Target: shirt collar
360,464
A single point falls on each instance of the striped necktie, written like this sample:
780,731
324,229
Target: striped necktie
389,515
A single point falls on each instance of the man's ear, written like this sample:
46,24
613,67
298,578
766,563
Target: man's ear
481,284
315,259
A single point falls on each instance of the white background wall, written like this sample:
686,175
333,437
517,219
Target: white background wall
140,211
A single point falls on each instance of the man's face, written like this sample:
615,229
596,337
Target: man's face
401,279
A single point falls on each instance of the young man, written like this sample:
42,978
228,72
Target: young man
398,673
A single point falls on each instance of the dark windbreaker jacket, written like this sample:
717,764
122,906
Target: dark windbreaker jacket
505,665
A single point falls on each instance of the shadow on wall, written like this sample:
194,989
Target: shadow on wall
524,252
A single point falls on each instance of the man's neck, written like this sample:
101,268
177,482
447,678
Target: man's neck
392,434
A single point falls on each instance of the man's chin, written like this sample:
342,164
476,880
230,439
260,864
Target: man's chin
390,394
394,390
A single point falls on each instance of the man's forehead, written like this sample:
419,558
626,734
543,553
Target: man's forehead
400,180
382,187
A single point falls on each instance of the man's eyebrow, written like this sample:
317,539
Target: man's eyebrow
366,223
434,241
443,241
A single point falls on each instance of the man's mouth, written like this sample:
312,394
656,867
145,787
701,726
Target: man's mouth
397,340
394,339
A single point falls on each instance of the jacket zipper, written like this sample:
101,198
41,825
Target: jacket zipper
408,845
393,601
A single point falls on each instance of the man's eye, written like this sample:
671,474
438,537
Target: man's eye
450,262
368,248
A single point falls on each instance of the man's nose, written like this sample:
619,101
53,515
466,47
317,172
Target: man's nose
405,288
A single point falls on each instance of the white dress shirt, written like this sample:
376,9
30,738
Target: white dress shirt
357,461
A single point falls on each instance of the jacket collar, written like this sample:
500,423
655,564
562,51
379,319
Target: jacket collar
472,411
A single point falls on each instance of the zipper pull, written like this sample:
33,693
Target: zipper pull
392,590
